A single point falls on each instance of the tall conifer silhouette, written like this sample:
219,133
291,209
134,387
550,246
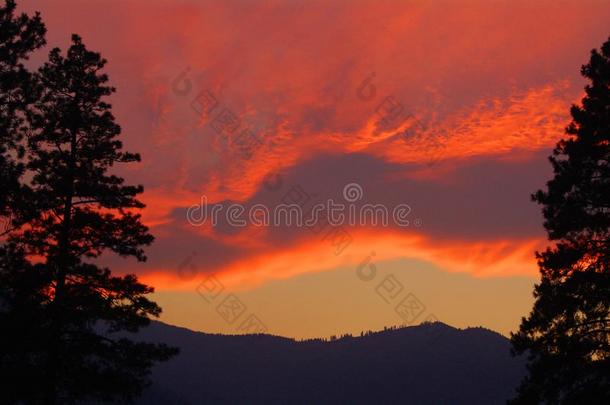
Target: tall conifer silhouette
65,319
567,334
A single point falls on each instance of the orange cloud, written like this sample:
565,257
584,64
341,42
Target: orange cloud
493,258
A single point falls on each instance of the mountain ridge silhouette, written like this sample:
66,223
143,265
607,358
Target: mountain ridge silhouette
430,363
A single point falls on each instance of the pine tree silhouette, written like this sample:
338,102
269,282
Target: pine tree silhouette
65,319
567,334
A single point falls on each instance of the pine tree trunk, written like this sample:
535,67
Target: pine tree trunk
57,312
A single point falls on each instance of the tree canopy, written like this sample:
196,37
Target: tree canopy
567,334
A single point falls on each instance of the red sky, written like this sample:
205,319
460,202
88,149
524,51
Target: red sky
491,82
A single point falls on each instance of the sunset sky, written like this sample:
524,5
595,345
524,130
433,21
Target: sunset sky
483,88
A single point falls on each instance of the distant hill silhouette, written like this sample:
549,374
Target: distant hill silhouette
425,364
